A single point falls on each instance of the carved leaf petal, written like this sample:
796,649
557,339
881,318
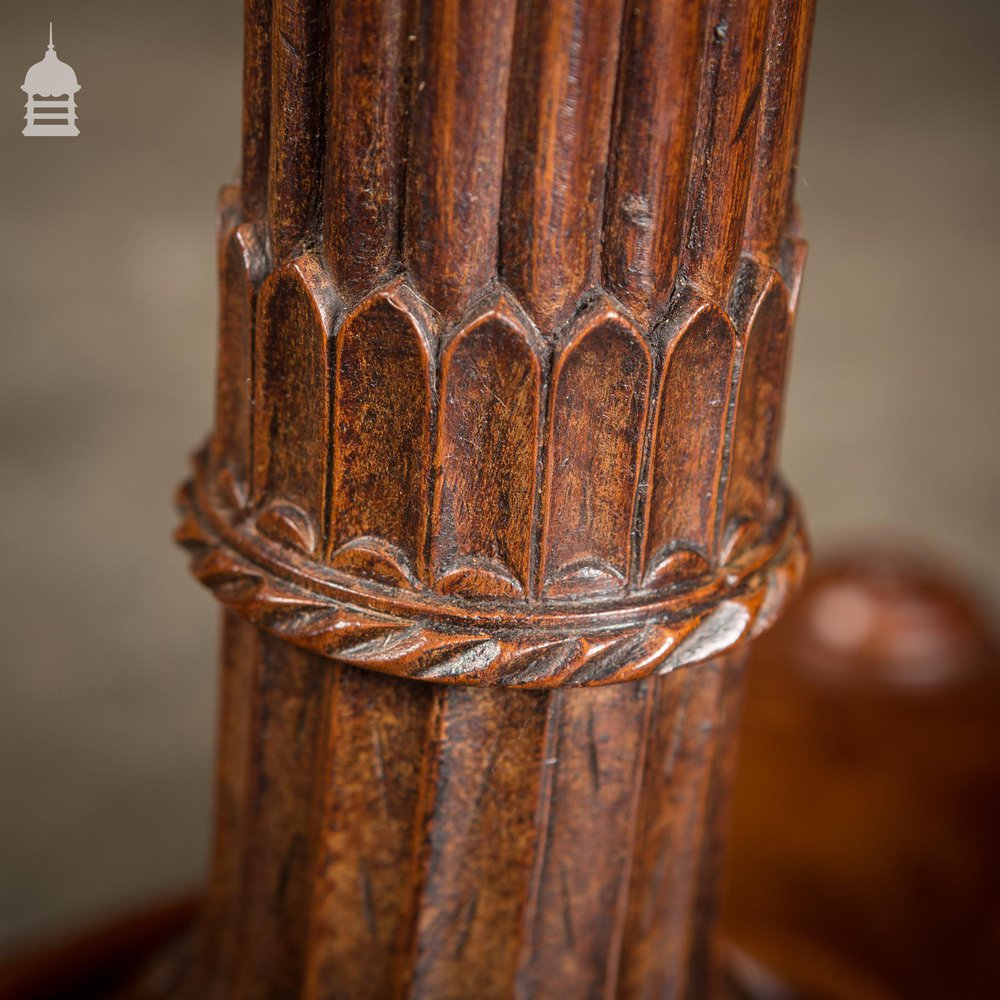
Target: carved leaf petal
688,441
287,524
375,559
600,390
487,450
292,387
762,306
382,427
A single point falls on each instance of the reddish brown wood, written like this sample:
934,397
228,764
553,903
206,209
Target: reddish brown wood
103,958
506,301
873,718
600,392
298,66
487,451
558,128
256,109
726,142
290,411
426,837
241,268
700,354
654,123
366,147
458,91
384,357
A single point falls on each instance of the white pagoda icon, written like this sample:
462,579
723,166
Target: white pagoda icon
51,87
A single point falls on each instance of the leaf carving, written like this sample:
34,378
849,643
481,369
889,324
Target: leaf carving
242,266
375,559
688,442
762,306
487,452
291,387
287,524
414,632
382,428
600,390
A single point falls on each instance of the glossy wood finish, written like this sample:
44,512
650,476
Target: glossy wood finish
515,376
872,715
507,294
873,719
388,837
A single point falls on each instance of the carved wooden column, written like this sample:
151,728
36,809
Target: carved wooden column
507,290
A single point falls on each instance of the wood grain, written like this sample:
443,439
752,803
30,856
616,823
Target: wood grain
291,379
481,833
763,302
729,112
299,32
455,161
573,931
401,839
366,110
700,352
558,126
506,298
364,882
491,385
256,110
600,392
773,174
382,390
242,266
233,805
655,118
289,699
659,926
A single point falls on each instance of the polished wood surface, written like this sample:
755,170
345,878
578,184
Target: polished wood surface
507,294
492,502
862,860
502,389
867,808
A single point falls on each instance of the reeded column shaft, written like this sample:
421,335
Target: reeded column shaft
491,499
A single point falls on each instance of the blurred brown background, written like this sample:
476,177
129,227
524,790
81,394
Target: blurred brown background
107,304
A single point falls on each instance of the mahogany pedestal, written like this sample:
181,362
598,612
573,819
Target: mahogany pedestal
507,289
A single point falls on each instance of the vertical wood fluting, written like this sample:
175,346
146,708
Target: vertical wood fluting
378,837
558,127
506,294
366,141
461,67
657,87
